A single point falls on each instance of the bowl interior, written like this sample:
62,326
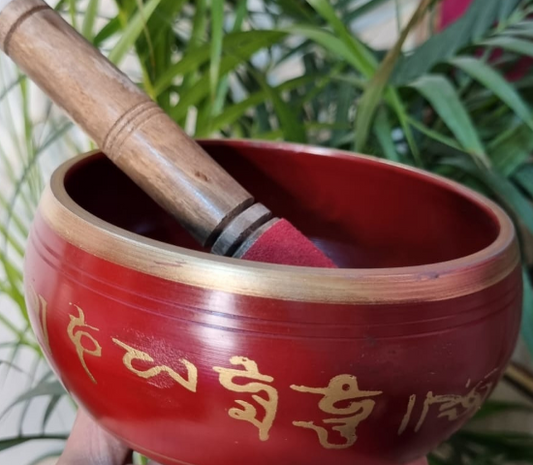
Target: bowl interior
362,213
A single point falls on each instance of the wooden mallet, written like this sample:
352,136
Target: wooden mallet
144,142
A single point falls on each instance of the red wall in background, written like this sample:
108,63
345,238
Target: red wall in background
451,10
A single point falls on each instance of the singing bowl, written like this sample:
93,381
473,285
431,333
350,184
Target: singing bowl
196,359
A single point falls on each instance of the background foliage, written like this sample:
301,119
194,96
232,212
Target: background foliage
293,70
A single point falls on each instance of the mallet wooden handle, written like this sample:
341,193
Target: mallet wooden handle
128,126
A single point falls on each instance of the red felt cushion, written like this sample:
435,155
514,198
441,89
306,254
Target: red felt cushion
285,245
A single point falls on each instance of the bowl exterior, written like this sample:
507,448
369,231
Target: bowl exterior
181,373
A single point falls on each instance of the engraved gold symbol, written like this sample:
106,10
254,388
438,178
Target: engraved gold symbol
407,416
40,307
133,354
248,412
341,389
450,406
77,337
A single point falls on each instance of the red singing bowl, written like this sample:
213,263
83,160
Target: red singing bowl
195,359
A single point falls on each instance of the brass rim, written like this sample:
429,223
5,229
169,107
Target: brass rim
433,282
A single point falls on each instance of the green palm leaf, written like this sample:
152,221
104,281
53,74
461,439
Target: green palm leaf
366,61
12,442
243,44
133,30
492,80
442,95
511,44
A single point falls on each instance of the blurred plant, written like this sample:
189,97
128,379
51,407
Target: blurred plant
293,70
474,446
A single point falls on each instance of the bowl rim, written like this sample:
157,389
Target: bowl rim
430,282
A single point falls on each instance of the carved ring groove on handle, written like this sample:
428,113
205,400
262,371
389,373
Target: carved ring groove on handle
18,22
128,122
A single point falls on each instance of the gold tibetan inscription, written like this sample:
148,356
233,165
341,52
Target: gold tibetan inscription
247,411
341,389
40,307
133,354
452,407
79,338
